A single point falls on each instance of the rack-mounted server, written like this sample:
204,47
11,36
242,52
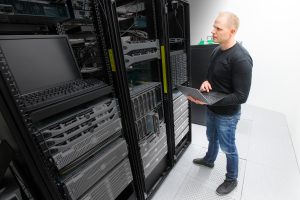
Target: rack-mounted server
68,139
112,184
146,101
139,51
181,117
32,12
178,62
153,149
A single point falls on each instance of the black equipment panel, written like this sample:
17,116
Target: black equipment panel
200,55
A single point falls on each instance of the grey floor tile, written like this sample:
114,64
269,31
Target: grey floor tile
243,145
199,135
195,190
210,176
269,130
173,183
243,137
265,183
274,150
201,182
214,176
268,117
247,112
244,127
185,162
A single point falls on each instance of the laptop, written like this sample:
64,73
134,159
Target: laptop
207,97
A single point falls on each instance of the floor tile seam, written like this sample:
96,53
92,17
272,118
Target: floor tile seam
253,139
180,186
248,132
288,151
259,136
247,117
242,189
260,109
196,144
267,166
275,144
288,136
269,131
257,126
293,147
245,159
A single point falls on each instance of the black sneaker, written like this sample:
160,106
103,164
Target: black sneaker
226,187
200,161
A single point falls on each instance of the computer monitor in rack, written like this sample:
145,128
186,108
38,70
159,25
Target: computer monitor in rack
39,62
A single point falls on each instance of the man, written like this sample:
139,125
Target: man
230,72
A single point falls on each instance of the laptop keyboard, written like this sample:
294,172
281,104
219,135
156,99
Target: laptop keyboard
213,97
70,89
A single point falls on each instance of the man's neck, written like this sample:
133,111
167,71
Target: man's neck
228,44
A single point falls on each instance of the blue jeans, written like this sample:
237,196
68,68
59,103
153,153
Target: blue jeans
220,131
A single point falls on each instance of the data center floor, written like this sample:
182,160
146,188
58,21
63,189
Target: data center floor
268,167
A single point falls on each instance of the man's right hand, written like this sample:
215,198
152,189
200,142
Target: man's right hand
205,87
197,101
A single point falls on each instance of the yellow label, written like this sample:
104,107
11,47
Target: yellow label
112,60
164,70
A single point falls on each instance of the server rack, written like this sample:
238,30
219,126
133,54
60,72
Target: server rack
136,27
69,147
177,39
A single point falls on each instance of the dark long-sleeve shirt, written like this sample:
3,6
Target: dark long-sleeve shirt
230,72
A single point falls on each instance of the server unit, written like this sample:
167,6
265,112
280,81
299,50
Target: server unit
181,116
32,12
18,17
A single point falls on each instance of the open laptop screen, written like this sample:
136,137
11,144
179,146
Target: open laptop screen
38,62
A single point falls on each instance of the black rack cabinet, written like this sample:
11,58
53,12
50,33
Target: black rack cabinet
177,51
70,137
200,55
137,36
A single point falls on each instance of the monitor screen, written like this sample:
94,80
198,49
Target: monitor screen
39,62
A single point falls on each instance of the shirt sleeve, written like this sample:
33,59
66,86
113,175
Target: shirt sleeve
241,83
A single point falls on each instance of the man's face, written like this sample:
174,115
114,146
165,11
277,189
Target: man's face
221,32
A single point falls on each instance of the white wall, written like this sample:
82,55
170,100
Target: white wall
270,31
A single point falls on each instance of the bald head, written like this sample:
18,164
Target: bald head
232,20
224,29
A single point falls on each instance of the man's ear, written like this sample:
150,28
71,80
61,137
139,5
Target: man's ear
233,30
